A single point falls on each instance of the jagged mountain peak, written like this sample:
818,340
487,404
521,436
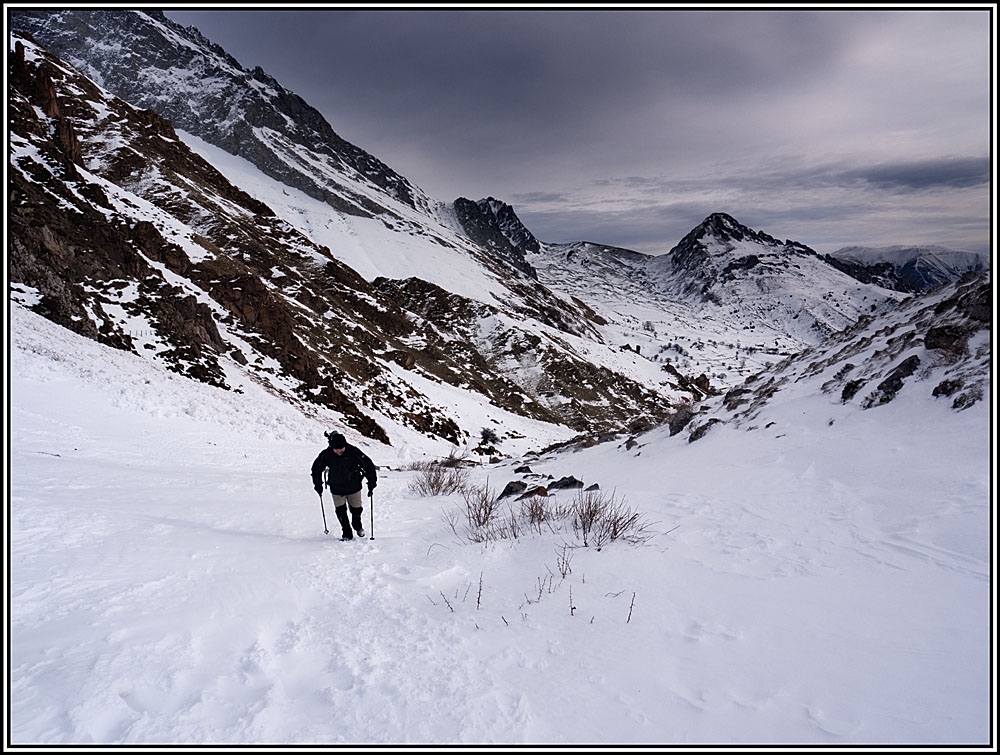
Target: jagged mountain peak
750,276
721,235
510,224
723,226
494,225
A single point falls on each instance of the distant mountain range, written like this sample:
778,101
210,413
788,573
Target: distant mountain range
911,269
167,202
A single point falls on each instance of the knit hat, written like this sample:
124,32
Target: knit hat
337,440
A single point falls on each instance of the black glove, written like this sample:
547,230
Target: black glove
371,487
319,488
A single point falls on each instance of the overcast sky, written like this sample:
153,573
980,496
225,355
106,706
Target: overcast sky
629,127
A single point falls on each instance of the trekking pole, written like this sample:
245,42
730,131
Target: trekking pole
371,513
325,530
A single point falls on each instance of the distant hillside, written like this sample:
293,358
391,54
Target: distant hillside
911,269
939,344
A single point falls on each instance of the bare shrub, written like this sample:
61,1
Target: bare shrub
563,562
536,511
481,507
600,519
438,479
596,517
621,522
481,521
559,509
586,512
453,460
511,528
452,518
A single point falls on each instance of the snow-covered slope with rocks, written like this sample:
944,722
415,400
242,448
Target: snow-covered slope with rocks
126,233
938,345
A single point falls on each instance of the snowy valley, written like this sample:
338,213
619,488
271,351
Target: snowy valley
804,448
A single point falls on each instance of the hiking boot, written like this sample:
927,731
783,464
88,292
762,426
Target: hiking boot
347,535
361,531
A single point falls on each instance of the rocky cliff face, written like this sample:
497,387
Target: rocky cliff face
151,62
494,226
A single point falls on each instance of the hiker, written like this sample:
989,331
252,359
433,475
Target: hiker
347,466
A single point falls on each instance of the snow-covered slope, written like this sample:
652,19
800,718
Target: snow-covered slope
822,582
416,244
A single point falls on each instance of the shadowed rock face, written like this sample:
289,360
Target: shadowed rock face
496,227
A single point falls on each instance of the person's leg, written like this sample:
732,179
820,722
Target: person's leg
357,506
340,508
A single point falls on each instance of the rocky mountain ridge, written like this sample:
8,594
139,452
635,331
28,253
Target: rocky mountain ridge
136,53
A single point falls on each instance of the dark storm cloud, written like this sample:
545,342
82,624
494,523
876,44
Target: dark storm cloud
927,174
899,176
629,127
547,59
474,84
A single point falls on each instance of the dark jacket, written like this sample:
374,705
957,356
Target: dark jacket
346,471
